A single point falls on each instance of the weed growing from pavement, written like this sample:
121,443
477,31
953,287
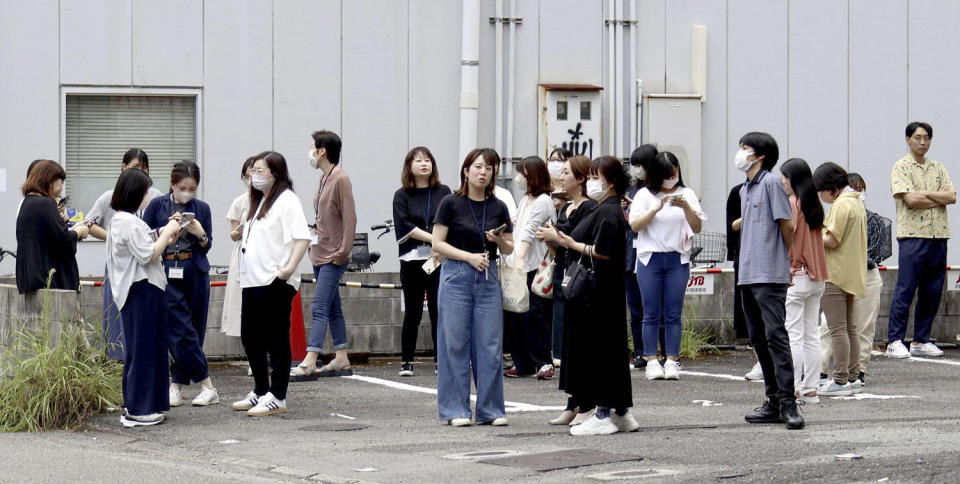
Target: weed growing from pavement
694,341
56,386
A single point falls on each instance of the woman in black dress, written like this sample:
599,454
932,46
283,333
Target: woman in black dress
595,362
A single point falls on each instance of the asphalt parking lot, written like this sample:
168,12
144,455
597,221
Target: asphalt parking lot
379,427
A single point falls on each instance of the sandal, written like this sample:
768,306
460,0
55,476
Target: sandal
335,368
303,372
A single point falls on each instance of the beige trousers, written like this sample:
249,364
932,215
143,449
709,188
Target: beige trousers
865,312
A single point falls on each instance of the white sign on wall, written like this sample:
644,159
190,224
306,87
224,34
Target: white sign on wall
700,285
570,117
953,280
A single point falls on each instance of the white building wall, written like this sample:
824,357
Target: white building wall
830,80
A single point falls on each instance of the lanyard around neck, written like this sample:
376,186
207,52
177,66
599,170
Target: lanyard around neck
246,239
426,212
323,183
480,224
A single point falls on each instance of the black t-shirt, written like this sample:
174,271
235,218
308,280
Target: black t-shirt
460,215
415,208
733,213
44,242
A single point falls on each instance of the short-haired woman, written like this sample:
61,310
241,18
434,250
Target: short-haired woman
558,156
275,237
530,331
665,214
133,264
808,271
596,363
187,295
639,159
845,241
414,210
230,316
471,227
44,242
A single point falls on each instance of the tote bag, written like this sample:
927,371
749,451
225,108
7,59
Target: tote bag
513,283
542,284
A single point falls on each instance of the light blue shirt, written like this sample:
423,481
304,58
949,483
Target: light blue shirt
764,258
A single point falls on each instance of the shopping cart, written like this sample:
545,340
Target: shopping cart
709,249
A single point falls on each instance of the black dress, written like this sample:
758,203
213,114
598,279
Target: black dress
596,359
566,224
44,242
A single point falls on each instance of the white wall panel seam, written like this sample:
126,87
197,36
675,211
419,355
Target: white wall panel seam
273,75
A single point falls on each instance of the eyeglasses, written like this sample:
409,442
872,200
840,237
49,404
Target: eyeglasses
260,171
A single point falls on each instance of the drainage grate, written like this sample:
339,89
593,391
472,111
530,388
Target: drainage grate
334,427
563,459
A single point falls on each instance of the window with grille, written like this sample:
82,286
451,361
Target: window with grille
100,129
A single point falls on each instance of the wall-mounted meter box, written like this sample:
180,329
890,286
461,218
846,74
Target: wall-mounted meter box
571,116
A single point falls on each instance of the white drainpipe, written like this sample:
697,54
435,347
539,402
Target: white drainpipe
498,49
511,81
618,29
611,75
634,118
469,77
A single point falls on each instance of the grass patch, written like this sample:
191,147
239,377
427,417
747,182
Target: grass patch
56,386
693,341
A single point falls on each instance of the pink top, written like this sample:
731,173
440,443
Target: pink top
807,249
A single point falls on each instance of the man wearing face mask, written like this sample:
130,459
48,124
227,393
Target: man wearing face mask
766,234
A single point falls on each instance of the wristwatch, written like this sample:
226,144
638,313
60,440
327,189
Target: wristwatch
204,239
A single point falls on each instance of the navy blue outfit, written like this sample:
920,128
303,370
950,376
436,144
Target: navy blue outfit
145,367
187,299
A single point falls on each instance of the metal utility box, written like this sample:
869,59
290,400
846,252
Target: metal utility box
570,117
673,123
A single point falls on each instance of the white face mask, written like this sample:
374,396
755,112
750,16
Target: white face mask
260,182
595,189
743,164
638,172
314,161
671,182
555,168
182,197
520,182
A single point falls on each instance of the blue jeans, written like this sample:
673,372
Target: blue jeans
469,335
663,283
923,266
326,308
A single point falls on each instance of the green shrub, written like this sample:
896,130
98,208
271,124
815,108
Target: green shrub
694,341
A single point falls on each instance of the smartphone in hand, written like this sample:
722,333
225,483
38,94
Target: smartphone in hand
500,229
186,218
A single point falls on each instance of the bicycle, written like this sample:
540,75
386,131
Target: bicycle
361,259
3,254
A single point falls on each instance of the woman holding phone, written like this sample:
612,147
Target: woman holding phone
187,294
414,210
467,233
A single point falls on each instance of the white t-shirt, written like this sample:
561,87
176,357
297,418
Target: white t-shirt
101,208
506,197
530,216
669,230
268,243
239,208
129,250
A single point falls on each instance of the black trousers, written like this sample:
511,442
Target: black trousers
739,321
530,332
265,330
764,306
415,284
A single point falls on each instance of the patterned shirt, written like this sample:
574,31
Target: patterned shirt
763,254
910,176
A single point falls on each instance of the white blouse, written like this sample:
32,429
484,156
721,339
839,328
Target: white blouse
530,216
129,250
268,243
669,230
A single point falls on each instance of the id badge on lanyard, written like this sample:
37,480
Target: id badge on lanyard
175,273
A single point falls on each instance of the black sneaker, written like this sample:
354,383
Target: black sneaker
768,413
406,369
639,363
790,415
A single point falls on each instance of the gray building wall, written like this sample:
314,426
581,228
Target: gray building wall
830,79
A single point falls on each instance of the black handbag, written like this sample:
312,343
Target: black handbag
579,281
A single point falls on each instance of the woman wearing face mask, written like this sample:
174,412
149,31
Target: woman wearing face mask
665,214
187,294
275,238
596,362
845,240
555,167
44,242
531,330
639,159
133,264
230,316
414,210
573,178
808,271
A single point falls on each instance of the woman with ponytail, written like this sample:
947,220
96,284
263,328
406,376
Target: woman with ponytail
808,271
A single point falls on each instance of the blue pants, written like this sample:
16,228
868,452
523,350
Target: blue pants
145,360
470,335
635,305
112,324
923,265
663,283
327,309
186,302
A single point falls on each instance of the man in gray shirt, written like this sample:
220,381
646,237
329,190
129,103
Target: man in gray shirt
766,233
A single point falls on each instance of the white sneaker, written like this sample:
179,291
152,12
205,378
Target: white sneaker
834,389
595,426
207,396
459,422
671,370
130,421
247,403
267,405
556,362
176,395
499,422
897,350
925,349
625,423
582,417
808,395
856,386
654,371
755,373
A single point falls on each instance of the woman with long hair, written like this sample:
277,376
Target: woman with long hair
472,228
275,237
808,270
187,295
414,211
845,241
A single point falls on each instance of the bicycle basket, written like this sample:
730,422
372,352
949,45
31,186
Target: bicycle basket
712,248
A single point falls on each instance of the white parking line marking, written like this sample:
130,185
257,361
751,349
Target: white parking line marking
872,396
718,375
510,406
931,360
